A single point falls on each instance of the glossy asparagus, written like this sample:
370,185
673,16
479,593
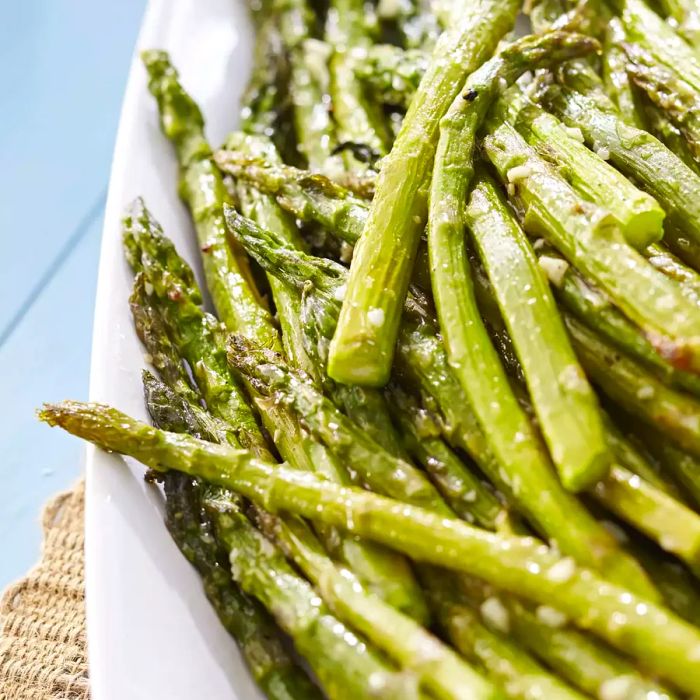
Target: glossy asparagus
564,402
661,641
640,156
363,345
422,360
227,271
591,240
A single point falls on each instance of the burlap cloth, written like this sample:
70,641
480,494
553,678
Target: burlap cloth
42,617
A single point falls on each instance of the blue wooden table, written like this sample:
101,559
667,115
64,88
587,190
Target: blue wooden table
63,68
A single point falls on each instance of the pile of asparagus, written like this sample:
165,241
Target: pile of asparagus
442,437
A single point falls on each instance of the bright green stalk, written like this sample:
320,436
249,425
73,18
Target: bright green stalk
438,668
685,17
464,491
590,239
636,390
640,156
581,660
270,664
667,90
564,401
615,77
661,517
344,665
359,120
309,196
504,662
363,345
421,356
645,28
655,636
638,214
596,310
227,272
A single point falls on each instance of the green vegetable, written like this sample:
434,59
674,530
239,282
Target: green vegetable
661,641
564,402
363,345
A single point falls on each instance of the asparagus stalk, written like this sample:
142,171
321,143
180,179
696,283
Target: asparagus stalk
564,402
594,308
438,668
505,662
640,156
685,17
661,641
311,197
638,214
590,239
645,28
380,470
636,390
345,666
270,664
196,336
421,356
542,631
227,271
666,89
415,21
615,77
359,121
363,345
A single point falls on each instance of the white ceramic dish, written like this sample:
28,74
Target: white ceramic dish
151,631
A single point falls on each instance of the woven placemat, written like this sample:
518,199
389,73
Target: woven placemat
43,652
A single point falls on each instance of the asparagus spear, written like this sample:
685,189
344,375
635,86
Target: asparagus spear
226,270
661,641
520,675
666,89
270,664
392,74
581,660
359,121
414,20
590,239
640,156
422,357
308,196
564,402
363,345
636,390
645,28
594,308
638,214
345,666
438,668
617,82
